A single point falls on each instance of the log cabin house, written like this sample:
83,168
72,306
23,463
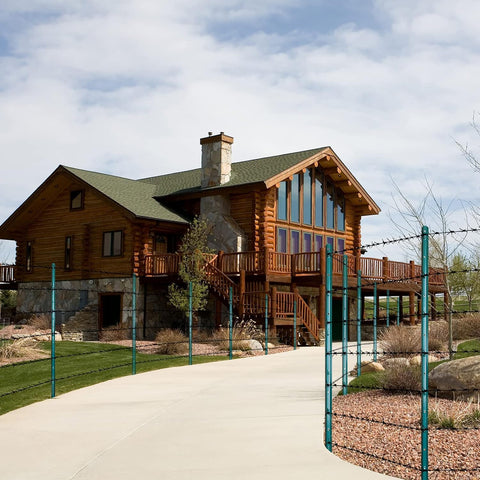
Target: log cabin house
272,218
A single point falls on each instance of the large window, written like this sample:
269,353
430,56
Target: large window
282,201
330,206
340,211
307,242
318,200
282,240
307,197
295,199
294,241
112,243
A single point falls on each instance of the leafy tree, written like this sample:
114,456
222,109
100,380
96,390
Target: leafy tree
465,276
192,250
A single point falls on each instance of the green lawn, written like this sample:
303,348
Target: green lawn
78,365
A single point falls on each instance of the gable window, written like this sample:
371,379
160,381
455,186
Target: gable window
318,200
28,257
295,199
307,197
330,206
68,253
340,211
282,201
113,243
76,199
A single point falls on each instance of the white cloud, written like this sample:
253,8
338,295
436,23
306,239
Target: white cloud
129,87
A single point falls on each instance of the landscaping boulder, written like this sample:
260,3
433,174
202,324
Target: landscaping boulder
417,359
369,367
457,379
251,344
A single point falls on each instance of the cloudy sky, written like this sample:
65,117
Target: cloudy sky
128,87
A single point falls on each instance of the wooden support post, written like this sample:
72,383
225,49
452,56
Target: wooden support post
220,260
411,302
266,261
400,302
273,304
386,273
241,291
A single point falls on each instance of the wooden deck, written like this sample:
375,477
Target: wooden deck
288,267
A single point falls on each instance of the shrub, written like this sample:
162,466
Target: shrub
171,342
406,341
21,348
114,333
400,340
242,330
454,415
466,326
401,377
437,336
40,322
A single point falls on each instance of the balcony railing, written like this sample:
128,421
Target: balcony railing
311,263
7,274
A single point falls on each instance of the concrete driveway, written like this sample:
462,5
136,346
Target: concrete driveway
254,418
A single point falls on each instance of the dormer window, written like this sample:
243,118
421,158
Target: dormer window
76,199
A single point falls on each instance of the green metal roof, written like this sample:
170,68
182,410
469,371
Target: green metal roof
249,171
136,196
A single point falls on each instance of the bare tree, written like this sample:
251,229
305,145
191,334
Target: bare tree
431,211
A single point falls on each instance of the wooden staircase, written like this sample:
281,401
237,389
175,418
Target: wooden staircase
281,304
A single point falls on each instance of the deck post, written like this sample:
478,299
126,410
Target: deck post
241,293
386,273
273,304
266,262
220,260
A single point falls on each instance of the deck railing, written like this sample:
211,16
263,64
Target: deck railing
269,262
7,273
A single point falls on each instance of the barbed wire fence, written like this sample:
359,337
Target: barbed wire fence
417,435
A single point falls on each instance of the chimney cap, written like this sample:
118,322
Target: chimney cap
221,137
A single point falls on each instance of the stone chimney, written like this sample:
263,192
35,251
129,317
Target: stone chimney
216,159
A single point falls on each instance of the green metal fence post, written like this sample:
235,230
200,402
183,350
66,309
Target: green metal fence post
359,323
388,308
345,325
134,324
190,324
230,324
266,324
294,324
52,342
375,300
424,353
328,349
